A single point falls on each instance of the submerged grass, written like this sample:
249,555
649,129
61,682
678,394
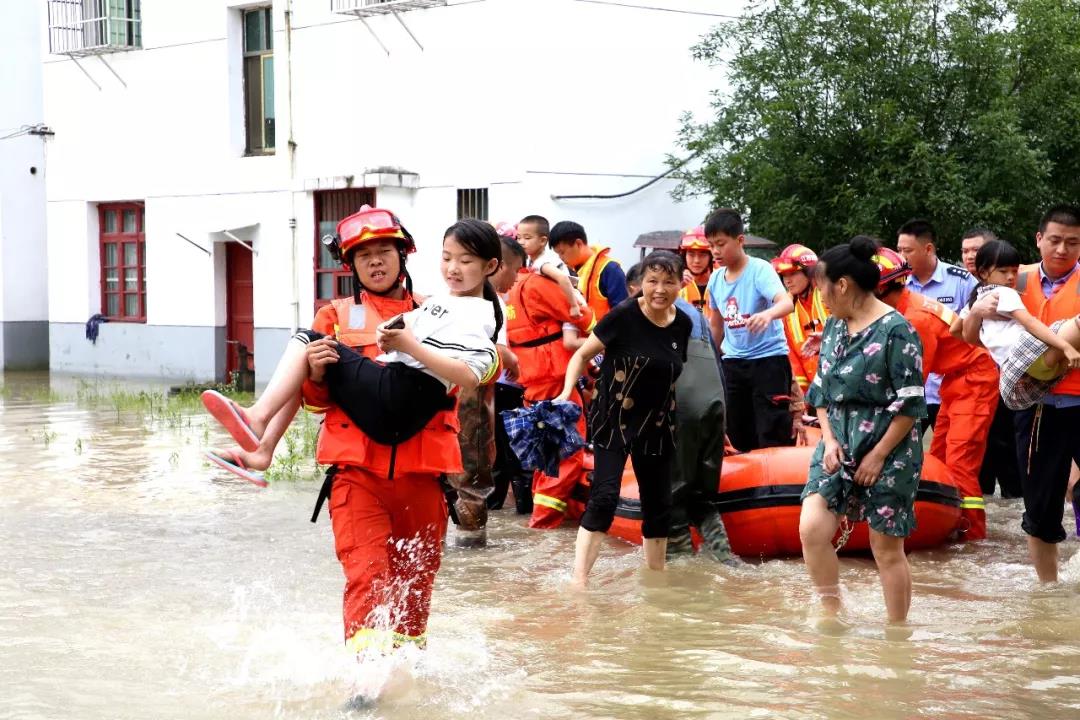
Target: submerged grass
177,409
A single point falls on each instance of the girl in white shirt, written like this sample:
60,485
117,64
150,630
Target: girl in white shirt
1024,348
446,343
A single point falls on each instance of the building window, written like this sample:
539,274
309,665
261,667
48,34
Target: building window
87,26
123,261
331,280
259,81
472,203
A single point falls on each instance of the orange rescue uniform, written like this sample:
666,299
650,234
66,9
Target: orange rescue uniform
807,318
589,281
535,313
386,505
969,396
1063,304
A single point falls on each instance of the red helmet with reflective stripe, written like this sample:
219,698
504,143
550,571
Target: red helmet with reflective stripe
795,258
694,239
370,224
892,265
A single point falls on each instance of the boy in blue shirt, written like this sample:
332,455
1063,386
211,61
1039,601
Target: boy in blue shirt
750,303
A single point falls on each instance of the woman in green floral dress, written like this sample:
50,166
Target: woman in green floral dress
869,394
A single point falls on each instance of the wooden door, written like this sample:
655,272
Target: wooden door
239,307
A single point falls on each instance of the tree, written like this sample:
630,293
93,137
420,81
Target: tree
852,116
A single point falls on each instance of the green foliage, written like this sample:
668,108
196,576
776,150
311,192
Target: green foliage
845,117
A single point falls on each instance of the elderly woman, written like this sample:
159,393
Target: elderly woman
868,393
644,341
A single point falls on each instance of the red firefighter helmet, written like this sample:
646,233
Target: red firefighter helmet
694,239
892,265
370,224
795,258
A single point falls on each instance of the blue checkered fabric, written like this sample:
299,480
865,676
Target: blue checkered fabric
1018,389
543,434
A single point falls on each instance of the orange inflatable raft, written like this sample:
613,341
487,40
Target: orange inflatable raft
759,503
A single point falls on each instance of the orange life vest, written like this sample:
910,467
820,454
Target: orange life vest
434,450
698,299
1062,305
589,281
535,312
802,322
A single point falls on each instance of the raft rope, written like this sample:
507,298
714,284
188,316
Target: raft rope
845,532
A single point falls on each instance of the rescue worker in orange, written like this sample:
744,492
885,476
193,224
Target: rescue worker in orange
969,386
543,335
795,266
600,277
386,503
697,258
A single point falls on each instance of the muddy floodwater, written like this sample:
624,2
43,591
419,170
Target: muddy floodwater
138,582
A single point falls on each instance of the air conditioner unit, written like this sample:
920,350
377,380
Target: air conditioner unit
368,8
93,27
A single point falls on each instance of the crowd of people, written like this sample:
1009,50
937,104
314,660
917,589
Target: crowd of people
685,357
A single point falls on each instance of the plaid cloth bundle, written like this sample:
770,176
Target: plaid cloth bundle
543,434
1018,389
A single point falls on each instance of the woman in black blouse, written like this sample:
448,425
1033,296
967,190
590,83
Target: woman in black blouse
644,341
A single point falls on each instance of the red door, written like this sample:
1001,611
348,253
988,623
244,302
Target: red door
239,307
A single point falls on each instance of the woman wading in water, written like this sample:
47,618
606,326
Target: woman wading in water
644,341
868,392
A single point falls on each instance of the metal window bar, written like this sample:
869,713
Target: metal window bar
369,8
472,203
92,27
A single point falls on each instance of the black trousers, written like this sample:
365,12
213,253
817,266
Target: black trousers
507,471
390,403
1000,466
758,399
932,410
1050,435
654,488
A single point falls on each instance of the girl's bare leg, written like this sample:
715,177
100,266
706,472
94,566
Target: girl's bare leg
895,574
586,550
260,459
1070,333
282,392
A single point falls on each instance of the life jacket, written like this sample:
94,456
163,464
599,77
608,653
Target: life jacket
942,353
589,281
1062,305
797,327
433,451
698,299
534,331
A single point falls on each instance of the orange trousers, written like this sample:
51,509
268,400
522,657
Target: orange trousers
550,494
388,537
968,402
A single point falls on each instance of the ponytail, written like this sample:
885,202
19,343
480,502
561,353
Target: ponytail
493,297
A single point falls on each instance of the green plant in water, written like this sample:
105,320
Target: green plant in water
78,446
48,436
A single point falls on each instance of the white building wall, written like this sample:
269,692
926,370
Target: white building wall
23,309
529,98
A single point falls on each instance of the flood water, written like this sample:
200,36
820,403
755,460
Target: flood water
137,582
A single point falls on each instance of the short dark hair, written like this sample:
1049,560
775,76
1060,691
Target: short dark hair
634,275
566,231
920,228
724,221
515,248
853,259
541,223
979,231
664,261
1062,214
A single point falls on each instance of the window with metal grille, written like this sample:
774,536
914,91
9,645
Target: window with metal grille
123,261
472,203
90,27
331,280
259,80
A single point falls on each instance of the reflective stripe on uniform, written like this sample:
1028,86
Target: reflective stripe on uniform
549,502
383,641
973,503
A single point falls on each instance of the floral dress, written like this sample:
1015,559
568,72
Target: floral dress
865,380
